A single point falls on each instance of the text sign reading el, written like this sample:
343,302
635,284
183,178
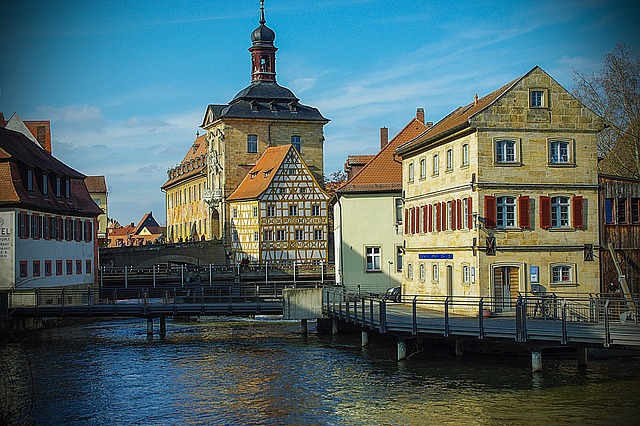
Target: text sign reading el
436,256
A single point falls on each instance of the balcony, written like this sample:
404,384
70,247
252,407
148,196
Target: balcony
212,196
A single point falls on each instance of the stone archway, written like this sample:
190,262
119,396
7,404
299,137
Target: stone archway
215,224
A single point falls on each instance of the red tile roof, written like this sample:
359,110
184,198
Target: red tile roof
261,175
384,171
96,184
198,149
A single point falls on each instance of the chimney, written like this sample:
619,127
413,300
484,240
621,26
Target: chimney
1,119
384,137
420,115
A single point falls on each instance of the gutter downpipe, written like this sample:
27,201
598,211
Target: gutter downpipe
341,255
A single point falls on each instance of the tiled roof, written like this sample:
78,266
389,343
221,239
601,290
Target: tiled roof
147,221
456,120
198,149
261,175
384,171
95,184
361,160
17,154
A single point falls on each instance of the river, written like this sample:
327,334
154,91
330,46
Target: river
240,372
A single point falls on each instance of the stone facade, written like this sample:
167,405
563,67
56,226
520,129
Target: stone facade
501,196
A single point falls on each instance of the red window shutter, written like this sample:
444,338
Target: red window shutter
545,212
443,215
454,215
470,214
406,221
413,221
425,219
460,218
430,220
523,213
578,212
438,220
417,219
489,211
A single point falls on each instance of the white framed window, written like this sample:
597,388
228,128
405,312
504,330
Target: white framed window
293,210
421,272
465,213
317,234
373,258
234,236
315,210
271,210
465,155
560,212
538,98
235,212
562,273
255,211
411,172
398,203
252,143
436,164
58,186
449,215
450,159
299,234
280,235
423,168
435,272
506,151
268,235
466,274
505,212
295,141
256,235
560,152
399,257
410,271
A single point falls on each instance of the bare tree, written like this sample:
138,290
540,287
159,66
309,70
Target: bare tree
613,93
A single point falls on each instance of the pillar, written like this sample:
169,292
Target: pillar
334,326
163,327
536,361
304,328
402,349
582,357
459,347
149,328
365,338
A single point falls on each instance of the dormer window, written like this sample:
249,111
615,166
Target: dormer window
45,184
253,175
67,188
58,186
254,105
29,180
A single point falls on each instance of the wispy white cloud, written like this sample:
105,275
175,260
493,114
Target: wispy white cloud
72,114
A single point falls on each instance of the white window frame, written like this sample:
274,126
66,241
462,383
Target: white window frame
538,98
560,212
399,258
421,272
465,155
410,172
317,234
562,273
423,168
436,165
506,212
299,235
466,274
252,143
450,159
560,152
435,272
297,144
465,213
373,258
410,271
315,210
504,155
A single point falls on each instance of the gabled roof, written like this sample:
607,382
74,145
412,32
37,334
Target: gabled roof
96,184
458,119
198,149
384,171
261,175
147,221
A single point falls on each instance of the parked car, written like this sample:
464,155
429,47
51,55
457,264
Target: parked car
393,294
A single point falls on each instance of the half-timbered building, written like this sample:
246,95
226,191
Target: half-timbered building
279,212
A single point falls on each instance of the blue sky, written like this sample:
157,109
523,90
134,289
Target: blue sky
126,83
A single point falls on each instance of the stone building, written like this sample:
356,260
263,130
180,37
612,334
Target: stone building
372,199
279,212
501,196
262,115
147,231
185,188
97,187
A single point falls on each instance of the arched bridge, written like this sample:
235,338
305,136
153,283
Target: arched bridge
195,253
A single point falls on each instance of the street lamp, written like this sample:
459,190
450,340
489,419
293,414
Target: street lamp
389,274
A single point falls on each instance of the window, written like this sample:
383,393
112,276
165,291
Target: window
87,267
608,210
399,256
422,272
317,234
537,98
299,234
268,235
436,165
293,210
436,272
450,222
559,152
47,268
315,210
411,172
465,213
69,267
235,212
29,180
450,159
36,268
271,210
398,210
252,143
559,212
466,276
295,141
67,185
234,236
621,210
410,271
635,210
23,268
58,267
256,236
423,168
255,211
78,266
58,186
505,151
280,235
505,212
373,259
561,274
45,184
465,154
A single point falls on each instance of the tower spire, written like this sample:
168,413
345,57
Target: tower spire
262,20
263,52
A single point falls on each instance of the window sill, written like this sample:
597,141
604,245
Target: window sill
563,284
506,164
561,165
373,271
567,229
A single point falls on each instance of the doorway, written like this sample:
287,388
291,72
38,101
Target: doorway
449,280
506,285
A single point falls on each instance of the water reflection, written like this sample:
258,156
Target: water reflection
263,372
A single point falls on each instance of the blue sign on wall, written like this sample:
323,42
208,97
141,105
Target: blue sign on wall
436,256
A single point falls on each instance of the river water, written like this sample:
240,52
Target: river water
263,372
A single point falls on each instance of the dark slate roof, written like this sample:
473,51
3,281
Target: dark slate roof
266,100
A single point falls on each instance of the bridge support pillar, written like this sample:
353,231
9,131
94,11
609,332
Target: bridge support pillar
304,327
334,326
163,327
536,361
459,347
149,328
582,357
402,349
365,338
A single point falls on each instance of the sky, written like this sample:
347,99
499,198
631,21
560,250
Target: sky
126,83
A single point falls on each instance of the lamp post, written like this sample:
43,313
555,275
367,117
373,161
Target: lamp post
389,274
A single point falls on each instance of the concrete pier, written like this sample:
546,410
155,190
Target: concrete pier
459,348
334,326
163,327
582,357
149,328
536,361
365,338
402,349
304,326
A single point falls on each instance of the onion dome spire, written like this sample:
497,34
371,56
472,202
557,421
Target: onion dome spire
263,52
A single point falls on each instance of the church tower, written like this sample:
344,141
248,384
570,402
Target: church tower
260,116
